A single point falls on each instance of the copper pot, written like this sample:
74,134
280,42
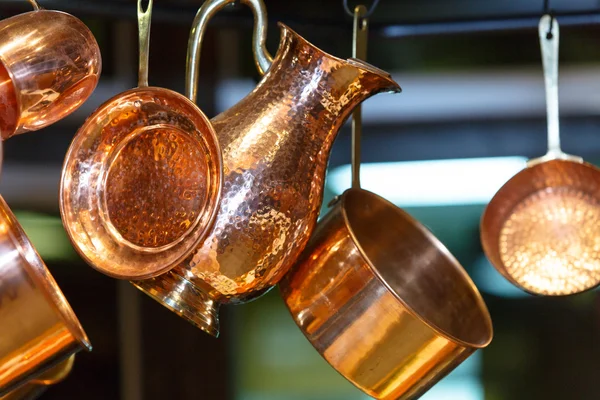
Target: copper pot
39,328
541,230
276,144
383,301
141,181
49,65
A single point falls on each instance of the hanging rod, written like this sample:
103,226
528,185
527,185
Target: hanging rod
580,18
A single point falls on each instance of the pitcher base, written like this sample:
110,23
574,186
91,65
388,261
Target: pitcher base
183,298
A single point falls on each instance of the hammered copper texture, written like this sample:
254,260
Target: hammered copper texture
9,108
276,143
141,183
54,62
155,187
541,230
38,328
383,301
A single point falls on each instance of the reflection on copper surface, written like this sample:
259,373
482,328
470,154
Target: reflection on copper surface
383,301
550,244
276,144
541,229
54,63
9,108
39,329
140,183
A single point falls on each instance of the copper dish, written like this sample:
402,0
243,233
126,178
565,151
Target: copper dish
541,231
39,328
276,144
49,65
141,181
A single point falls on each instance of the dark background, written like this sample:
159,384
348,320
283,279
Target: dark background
470,90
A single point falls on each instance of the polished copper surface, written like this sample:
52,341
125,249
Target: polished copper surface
36,387
53,64
383,301
39,328
542,229
141,180
276,144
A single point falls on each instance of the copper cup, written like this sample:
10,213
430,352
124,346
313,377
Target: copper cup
38,327
36,387
49,65
383,301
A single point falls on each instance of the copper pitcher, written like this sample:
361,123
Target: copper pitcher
276,144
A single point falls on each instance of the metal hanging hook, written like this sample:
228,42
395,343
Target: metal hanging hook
36,6
367,13
550,12
359,50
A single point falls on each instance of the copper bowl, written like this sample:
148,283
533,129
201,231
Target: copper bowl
383,301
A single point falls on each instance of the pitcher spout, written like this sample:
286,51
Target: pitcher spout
380,80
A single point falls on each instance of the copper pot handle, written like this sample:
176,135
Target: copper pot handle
262,57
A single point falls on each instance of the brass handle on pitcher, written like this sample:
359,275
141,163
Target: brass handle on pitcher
210,7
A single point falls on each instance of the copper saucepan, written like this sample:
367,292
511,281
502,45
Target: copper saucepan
49,65
141,181
36,387
542,229
39,329
381,299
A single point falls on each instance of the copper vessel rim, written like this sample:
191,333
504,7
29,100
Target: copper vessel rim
362,65
500,267
442,249
206,228
42,277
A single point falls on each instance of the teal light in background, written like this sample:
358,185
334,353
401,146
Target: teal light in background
433,182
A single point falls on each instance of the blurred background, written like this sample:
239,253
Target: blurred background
472,112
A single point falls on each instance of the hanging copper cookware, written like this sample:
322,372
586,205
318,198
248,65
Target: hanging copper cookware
276,143
49,65
38,327
380,297
36,387
141,180
542,229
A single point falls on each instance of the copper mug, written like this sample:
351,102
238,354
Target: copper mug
38,386
49,65
276,144
38,327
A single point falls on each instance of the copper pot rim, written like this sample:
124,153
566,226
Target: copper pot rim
508,186
36,269
441,248
214,198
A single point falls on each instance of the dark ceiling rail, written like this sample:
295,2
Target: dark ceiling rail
495,24
238,17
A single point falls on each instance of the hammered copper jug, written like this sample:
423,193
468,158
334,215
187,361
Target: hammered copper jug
141,181
37,386
276,143
541,230
381,298
49,65
38,327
